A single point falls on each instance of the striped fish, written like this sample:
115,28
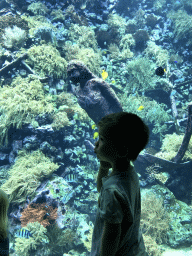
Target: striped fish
71,177
23,233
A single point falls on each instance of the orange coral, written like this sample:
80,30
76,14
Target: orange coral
42,213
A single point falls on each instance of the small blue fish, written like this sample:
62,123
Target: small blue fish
23,233
71,177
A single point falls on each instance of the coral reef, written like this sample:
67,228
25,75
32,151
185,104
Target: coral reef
116,22
34,22
151,20
157,53
10,21
57,15
38,241
60,119
141,36
42,213
142,75
154,220
26,175
38,8
88,56
45,33
75,18
20,101
46,60
14,37
83,36
153,112
170,146
182,23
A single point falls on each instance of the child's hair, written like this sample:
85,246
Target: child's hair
4,205
125,132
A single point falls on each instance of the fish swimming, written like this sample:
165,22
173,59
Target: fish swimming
160,71
93,126
95,135
140,108
104,74
23,233
71,177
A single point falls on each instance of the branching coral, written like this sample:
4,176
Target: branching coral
42,213
154,218
38,8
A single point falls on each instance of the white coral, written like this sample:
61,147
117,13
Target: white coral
14,37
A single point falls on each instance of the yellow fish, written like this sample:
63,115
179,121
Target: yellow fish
95,135
113,81
165,70
140,108
104,74
93,126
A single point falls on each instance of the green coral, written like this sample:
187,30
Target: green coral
58,15
88,56
141,74
67,102
26,175
60,120
83,36
159,5
35,22
122,52
20,102
61,241
170,146
14,37
46,60
25,247
154,221
127,41
38,8
116,23
182,23
158,54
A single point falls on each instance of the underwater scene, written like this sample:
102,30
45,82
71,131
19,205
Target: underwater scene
63,66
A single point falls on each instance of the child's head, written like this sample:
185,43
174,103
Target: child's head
125,133
4,205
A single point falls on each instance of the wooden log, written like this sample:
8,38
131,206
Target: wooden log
12,64
16,62
186,138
